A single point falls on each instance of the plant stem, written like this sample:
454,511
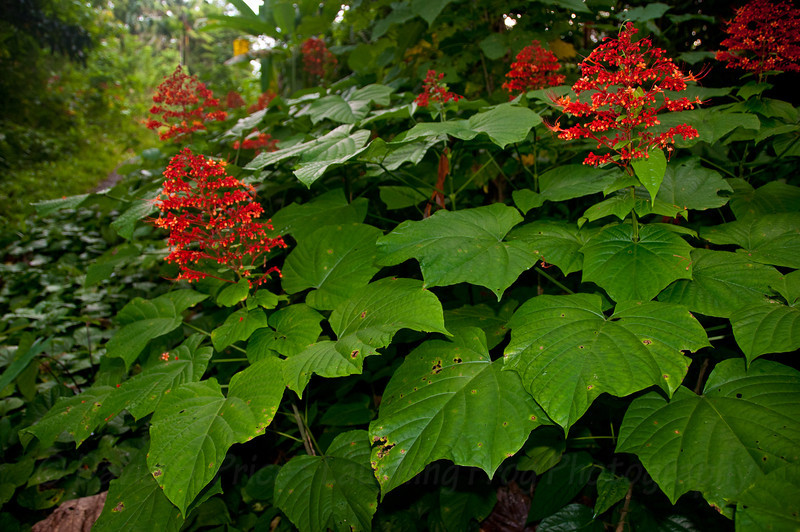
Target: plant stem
634,218
625,507
303,433
552,280
223,360
699,386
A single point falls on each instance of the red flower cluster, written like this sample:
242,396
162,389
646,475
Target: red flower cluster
263,101
434,88
257,141
234,100
211,220
317,59
627,81
182,102
763,37
534,69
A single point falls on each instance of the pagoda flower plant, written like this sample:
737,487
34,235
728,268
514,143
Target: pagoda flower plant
624,86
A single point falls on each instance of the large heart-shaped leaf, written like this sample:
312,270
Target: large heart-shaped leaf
504,124
330,208
336,491
690,186
142,320
769,239
568,353
774,197
744,425
136,503
722,282
195,425
462,246
449,400
364,323
555,242
766,327
336,260
629,269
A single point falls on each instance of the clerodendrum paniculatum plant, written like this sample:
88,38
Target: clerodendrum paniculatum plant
458,291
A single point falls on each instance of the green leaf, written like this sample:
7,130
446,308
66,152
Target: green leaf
76,415
332,107
789,287
711,124
493,324
774,197
766,327
125,223
448,400
237,327
493,46
263,298
195,425
504,124
336,260
104,266
291,330
392,156
428,9
573,517
458,508
559,485
646,13
690,186
330,208
722,282
610,490
575,181
364,323
141,394
743,426
635,270
619,205
526,199
315,160
544,450
555,242
233,293
21,362
772,502
769,239
136,503
398,197
44,208
142,320
332,492
461,246
650,170
573,6
568,353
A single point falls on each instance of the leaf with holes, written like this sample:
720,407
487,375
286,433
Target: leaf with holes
462,246
336,491
722,282
363,324
769,239
766,327
555,242
336,261
195,425
136,503
631,270
568,352
745,425
448,400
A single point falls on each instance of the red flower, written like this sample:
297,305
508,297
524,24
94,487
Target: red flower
257,141
433,88
627,81
263,101
533,69
763,37
317,59
234,100
211,218
182,103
